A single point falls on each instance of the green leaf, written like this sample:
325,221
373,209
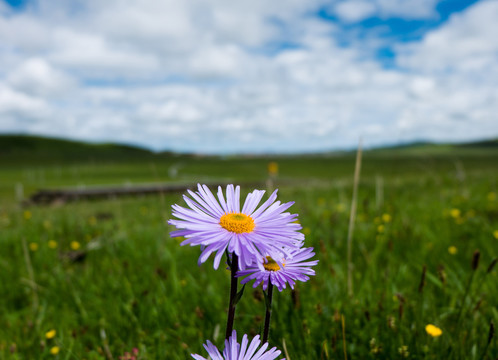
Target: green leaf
239,295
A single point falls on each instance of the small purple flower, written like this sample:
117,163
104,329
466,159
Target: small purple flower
243,351
217,225
292,269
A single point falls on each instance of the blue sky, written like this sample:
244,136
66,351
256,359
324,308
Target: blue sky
250,76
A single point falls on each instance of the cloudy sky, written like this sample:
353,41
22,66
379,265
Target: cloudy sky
252,76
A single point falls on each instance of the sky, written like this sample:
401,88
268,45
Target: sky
250,76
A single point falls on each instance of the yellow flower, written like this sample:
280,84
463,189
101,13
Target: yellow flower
491,196
33,246
272,168
495,234
52,244
455,213
433,331
50,334
75,245
27,214
340,207
452,250
386,218
54,350
380,228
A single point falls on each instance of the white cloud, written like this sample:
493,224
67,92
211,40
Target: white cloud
355,10
201,76
358,10
466,42
37,77
93,55
408,9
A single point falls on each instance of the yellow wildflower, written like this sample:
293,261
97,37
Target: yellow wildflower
52,244
27,214
433,330
380,228
340,207
491,196
50,334
495,234
33,246
386,218
75,245
54,350
455,213
452,250
273,168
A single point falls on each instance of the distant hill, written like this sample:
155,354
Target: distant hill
35,148
481,144
429,148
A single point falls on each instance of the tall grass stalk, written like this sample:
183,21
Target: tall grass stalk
343,324
31,275
352,218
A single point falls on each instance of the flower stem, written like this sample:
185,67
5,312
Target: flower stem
233,295
266,330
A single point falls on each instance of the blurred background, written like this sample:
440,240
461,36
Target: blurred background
110,110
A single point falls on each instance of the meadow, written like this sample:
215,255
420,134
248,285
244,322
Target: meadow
96,279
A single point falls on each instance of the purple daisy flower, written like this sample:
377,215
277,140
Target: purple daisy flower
216,225
287,270
243,351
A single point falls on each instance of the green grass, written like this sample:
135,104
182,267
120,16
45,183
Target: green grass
137,287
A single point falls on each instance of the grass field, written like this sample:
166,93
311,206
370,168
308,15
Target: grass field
106,276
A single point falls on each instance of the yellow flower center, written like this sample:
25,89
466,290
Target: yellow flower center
271,265
237,223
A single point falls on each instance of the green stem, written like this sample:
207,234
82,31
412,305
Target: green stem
233,295
266,330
